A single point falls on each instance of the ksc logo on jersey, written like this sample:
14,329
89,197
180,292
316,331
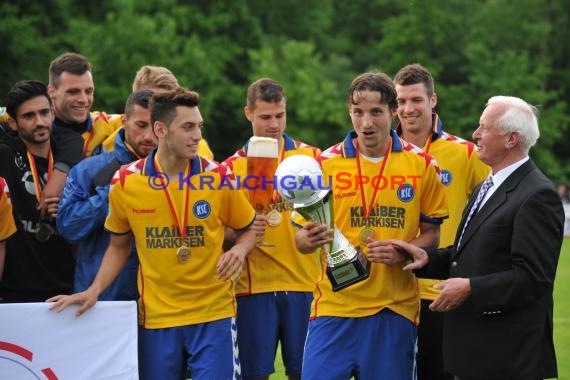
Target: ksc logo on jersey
445,177
405,192
201,209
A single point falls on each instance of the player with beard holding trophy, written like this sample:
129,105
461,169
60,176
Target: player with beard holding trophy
383,190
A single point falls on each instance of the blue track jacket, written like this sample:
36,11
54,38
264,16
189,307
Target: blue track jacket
82,211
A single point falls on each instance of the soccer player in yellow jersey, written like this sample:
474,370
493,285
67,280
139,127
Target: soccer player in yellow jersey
7,225
156,79
382,189
461,171
174,204
274,292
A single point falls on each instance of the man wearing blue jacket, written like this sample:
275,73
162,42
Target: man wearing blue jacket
85,200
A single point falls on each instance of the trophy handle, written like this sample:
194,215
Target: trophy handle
346,265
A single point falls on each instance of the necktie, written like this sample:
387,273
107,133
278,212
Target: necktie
482,191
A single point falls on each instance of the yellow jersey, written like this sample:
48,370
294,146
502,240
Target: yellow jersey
409,191
4,117
173,292
99,127
7,225
280,267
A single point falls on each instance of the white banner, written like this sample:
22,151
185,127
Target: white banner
36,343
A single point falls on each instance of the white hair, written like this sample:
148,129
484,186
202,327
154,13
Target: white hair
519,117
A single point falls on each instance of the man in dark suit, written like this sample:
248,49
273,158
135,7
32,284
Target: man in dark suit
498,296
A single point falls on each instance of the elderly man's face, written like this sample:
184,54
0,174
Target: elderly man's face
491,143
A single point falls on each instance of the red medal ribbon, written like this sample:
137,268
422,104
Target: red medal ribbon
35,175
171,203
368,209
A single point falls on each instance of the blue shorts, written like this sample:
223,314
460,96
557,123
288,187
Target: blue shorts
381,346
208,350
265,319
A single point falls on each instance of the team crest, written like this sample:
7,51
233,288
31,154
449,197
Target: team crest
445,176
406,192
201,209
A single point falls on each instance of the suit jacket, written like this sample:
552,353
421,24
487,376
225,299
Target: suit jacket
509,252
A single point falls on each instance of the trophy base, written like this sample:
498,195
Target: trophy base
349,273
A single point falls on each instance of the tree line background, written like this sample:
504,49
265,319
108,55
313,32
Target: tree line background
474,49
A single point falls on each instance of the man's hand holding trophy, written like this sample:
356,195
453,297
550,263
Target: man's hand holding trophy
299,180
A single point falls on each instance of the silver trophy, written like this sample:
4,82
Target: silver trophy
299,180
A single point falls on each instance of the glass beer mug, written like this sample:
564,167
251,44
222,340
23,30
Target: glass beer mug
262,161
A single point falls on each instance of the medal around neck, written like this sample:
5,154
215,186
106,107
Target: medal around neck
346,265
183,254
44,232
366,233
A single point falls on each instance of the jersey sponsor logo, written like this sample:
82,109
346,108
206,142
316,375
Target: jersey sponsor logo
169,237
405,192
445,176
144,211
345,195
380,216
201,209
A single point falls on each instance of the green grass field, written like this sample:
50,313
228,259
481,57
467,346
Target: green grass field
562,312
561,319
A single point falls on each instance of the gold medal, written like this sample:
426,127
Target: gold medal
365,234
183,254
274,218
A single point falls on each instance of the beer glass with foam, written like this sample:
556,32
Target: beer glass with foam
262,161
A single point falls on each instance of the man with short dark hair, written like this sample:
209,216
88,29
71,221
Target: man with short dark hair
39,263
187,304
461,171
71,89
274,293
368,330
77,131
